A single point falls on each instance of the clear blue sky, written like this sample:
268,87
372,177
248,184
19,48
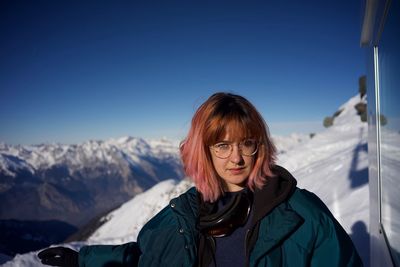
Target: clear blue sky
77,70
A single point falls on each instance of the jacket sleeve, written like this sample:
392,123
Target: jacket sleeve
333,246
125,255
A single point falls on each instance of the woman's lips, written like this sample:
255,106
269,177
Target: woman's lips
236,170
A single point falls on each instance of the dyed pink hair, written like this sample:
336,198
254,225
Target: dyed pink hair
222,113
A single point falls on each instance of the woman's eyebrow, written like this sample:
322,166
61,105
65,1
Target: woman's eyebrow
230,141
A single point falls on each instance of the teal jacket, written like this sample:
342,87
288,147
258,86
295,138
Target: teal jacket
290,227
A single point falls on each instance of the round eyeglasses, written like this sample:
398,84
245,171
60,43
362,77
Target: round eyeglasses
247,147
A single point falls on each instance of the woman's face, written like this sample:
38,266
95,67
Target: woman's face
235,169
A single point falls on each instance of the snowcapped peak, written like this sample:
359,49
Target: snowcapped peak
93,142
125,139
348,117
94,151
132,144
10,165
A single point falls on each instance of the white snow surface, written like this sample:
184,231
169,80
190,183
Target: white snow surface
331,164
287,143
135,213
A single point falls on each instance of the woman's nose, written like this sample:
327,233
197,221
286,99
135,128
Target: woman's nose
236,156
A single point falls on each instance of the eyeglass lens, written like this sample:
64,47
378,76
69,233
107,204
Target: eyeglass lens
224,149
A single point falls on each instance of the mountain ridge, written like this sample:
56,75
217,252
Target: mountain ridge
73,183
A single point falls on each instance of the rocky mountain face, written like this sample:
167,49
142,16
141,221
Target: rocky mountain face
74,183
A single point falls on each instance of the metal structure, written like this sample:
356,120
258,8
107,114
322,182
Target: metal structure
380,36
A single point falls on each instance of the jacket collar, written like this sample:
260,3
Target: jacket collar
272,200
276,190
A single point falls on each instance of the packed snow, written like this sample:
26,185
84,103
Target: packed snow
333,164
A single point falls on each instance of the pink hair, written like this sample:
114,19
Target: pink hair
225,113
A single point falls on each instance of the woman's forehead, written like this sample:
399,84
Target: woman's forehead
233,132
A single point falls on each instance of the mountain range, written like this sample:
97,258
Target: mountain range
74,183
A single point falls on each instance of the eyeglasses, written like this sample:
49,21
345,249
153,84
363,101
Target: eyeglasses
247,147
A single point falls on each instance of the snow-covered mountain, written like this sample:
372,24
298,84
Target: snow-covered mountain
72,183
287,143
333,164
44,156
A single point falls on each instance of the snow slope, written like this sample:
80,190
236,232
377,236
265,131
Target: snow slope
333,164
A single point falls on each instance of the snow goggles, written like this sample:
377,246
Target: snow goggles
225,222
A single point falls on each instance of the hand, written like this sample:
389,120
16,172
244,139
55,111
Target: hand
59,256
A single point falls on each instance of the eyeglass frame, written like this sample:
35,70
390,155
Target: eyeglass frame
239,145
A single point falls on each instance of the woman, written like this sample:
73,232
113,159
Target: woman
244,210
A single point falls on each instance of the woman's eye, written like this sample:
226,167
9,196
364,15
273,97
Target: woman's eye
222,146
248,143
